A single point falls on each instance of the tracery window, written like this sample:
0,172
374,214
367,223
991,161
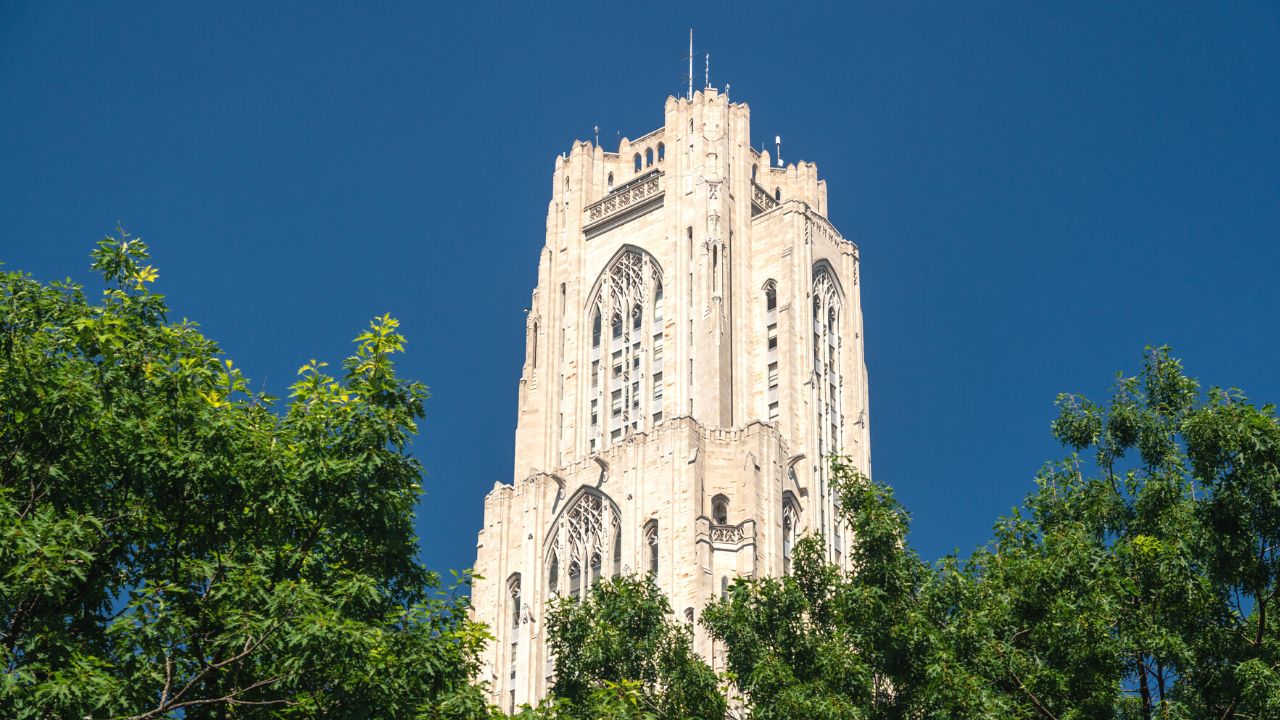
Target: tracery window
588,534
828,383
629,292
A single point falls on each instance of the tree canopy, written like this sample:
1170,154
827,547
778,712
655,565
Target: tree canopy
174,545
1139,580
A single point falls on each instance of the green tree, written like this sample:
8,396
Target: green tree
1139,580
619,654
172,545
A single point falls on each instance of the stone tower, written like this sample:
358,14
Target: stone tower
693,353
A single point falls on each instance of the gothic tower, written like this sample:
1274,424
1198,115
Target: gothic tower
693,353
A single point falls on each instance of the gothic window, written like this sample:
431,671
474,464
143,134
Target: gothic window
724,587
553,574
720,510
588,535
648,157
617,551
662,152
595,329
637,162
651,543
513,588
828,381
610,182
777,194
790,520
688,615
629,292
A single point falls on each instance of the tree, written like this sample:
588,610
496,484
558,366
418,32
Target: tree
1139,581
619,654
172,545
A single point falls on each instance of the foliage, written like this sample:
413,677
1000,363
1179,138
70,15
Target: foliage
1138,582
172,545
620,655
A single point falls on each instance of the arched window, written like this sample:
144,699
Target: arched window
720,510
790,522
637,162
628,289
651,544
777,194
648,157
553,574
595,329
587,535
688,615
662,152
617,552
828,381
753,172
513,588
610,181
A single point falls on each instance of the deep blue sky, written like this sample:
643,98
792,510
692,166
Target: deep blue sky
1038,191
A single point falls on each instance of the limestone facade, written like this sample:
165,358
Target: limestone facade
694,351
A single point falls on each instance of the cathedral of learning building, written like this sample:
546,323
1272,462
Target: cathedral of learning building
693,354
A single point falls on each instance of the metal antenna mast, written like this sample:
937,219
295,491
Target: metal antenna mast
707,78
690,97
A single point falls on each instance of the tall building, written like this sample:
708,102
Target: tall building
693,354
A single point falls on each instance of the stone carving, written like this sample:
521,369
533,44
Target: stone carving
762,199
726,533
634,192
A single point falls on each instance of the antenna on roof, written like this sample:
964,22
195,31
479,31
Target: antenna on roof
777,141
707,79
597,129
690,96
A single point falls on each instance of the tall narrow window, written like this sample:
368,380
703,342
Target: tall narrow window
553,574
777,194
648,157
771,348
617,552
575,579
720,510
513,587
662,152
724,587
595,569
789,519
611,182
637,162
651,544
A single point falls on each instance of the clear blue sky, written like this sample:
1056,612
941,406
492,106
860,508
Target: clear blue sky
1038,191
